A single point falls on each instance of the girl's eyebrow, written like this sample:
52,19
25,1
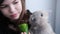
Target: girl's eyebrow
2,4
14,0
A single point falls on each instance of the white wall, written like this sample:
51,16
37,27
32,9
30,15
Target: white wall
58,17
48,5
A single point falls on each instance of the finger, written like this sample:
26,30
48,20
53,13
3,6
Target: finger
24,32
21,32
29,33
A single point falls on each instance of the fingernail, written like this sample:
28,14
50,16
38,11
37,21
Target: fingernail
24,32
29,33
21,32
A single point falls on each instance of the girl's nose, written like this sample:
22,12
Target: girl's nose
11,8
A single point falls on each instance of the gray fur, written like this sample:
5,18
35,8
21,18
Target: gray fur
39,23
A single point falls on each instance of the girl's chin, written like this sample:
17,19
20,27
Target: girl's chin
14,19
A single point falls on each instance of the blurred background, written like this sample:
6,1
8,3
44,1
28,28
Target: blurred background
51,6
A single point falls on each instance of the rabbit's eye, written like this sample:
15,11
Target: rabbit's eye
41,14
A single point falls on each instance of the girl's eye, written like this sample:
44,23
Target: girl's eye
15,2
4,6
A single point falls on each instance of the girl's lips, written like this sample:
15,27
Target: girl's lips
14,15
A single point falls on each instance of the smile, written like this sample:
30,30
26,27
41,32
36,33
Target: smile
14,15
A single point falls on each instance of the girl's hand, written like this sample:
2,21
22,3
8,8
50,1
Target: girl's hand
24,33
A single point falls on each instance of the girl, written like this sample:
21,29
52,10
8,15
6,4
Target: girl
12,13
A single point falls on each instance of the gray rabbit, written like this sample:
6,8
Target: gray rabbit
39,23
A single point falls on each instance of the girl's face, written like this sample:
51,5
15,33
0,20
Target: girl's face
11,8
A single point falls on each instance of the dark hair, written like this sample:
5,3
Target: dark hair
1,1
5,19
